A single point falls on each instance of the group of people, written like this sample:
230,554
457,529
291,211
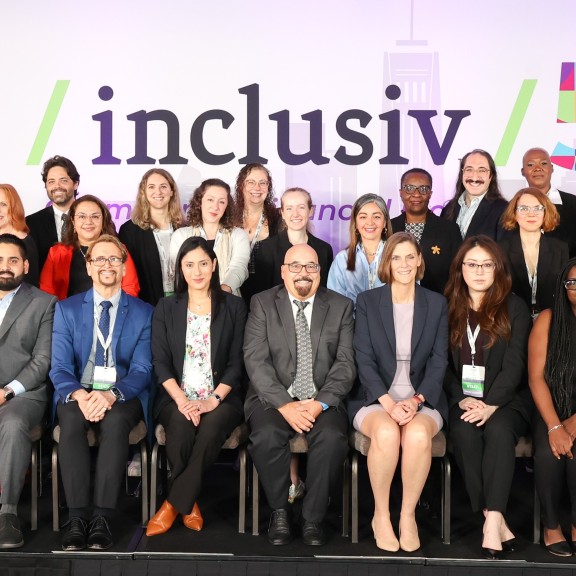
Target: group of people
238,312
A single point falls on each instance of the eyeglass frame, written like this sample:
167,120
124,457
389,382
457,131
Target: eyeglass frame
527,210
410,189
485,266
114,261
571,282
257,183
480,171
314,267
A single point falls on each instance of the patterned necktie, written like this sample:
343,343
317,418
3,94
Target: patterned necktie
104,326
63,227
303,386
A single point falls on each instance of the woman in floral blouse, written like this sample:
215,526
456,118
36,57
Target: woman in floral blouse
197,338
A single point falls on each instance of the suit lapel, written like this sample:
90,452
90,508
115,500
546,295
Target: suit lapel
19,303
387,314
119,322
87,326
420,315
284,308
179,327
319,313
216,331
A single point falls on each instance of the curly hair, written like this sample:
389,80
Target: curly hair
15,208
560,366
69,236
141,212
270,211
493,311
194,214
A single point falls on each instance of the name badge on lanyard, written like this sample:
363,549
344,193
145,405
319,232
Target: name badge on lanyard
104,376
473,376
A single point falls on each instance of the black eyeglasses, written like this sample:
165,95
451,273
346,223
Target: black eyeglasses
296,267
570,284
112,260
409,189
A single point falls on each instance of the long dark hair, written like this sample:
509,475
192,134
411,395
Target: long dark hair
180,284
560,367
493,312
69,236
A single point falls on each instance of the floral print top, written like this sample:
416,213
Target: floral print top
197,381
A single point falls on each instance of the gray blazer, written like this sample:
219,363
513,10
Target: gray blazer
270,348
26,341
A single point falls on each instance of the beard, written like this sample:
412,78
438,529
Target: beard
303,290
9,283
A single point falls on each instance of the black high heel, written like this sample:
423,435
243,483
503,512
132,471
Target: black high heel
491,554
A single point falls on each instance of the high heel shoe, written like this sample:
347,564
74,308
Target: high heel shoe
162,520
409,543
390,545
491,554
194,520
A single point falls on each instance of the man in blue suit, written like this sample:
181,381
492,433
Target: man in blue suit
101,370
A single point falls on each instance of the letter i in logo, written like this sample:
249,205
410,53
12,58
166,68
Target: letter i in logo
565,156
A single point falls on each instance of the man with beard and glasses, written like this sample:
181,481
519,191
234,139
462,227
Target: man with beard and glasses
102,375
300,360
537,168
46,226
26,316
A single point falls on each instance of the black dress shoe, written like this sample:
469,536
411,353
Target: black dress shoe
573,546
279,532
10,532
561,548
313,534
99,535
491,554
75,537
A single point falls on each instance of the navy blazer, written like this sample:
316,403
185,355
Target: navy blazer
169,325
552,256
486,219
439,244
375,347
506,382
72,341
142,246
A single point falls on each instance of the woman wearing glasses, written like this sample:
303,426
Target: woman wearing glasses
489,400
478,204
401,344
64,273
356,269
255,212
155,216
535,258
210,217
552,372
197,338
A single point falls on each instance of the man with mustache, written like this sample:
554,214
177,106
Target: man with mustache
300,360
478,204
537,168
61,180
102,375
26,316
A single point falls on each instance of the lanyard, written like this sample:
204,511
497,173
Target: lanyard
216,240
533,279
258,228
373,267
164,260
472,338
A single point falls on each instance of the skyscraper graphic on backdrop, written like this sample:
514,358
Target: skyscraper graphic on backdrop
333,187
417,74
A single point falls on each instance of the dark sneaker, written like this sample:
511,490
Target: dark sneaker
10,532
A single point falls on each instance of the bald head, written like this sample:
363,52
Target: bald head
537,169
304,283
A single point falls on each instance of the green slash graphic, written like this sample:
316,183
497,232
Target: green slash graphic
47,124
515,122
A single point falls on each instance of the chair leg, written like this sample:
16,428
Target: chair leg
255,502
34,478
536,516
345,499
354,498
153,479
446,504
144,480
242,496
55,501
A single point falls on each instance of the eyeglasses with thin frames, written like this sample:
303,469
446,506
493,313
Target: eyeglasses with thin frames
114,261
297,267
475,267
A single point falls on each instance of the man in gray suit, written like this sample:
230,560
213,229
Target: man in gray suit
300,360
26,316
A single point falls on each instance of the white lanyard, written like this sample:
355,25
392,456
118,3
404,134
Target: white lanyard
165,261
373,267
472,338
258,228
533,279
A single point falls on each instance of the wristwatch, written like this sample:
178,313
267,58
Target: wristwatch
8,393
117,393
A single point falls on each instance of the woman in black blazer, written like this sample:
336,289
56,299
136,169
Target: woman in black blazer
478,204
485,381
296,209
197,338
401,344
155,216
535,259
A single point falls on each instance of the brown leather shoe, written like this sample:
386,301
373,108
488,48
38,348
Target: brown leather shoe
194,520
162,520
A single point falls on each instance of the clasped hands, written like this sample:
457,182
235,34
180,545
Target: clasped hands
193,409
94,404
301,414
402,411
476,411
562,438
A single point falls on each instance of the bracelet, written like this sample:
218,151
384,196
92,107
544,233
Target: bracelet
555,427
218,397
419,400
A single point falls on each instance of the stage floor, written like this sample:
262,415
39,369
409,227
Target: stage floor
219,548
